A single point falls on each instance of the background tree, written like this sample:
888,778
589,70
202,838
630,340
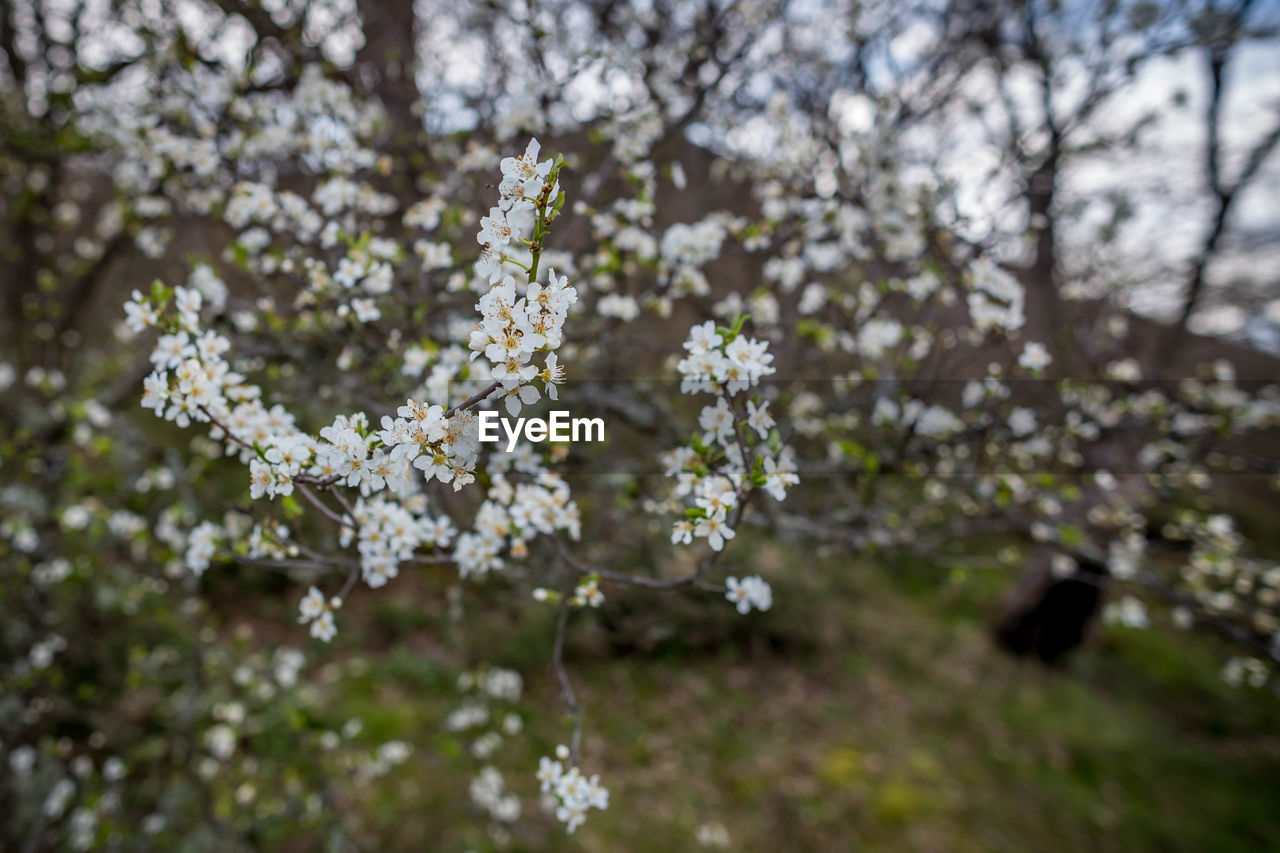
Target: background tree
882,204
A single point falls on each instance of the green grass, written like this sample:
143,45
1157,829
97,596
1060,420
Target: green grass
867,710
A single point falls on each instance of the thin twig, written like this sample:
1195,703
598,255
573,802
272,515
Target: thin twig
566,688
350,582
474,398
322,506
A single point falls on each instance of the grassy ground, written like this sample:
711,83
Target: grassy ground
866,711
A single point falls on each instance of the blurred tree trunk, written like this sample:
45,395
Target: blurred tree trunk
390,32
385,67
1045,319
1047,617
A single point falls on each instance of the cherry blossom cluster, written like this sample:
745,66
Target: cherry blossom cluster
736,452
488,716
193,382
996,299
687,247
515,327
512,515
422,437
574,793
750,592
520,320
722,361
202,544
488,790
511,230
203,388
200,126
388,534
317,612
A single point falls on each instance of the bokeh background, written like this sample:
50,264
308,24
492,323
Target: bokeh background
948,691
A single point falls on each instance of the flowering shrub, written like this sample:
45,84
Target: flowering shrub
390,517
736,450
854,367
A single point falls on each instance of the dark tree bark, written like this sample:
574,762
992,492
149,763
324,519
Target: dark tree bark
1047,617
386,64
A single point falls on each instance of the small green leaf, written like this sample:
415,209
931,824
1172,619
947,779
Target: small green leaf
292,509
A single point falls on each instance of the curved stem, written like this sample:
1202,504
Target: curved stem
566,687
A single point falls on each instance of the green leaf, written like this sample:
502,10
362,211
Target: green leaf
292,509
160,293
1070,535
